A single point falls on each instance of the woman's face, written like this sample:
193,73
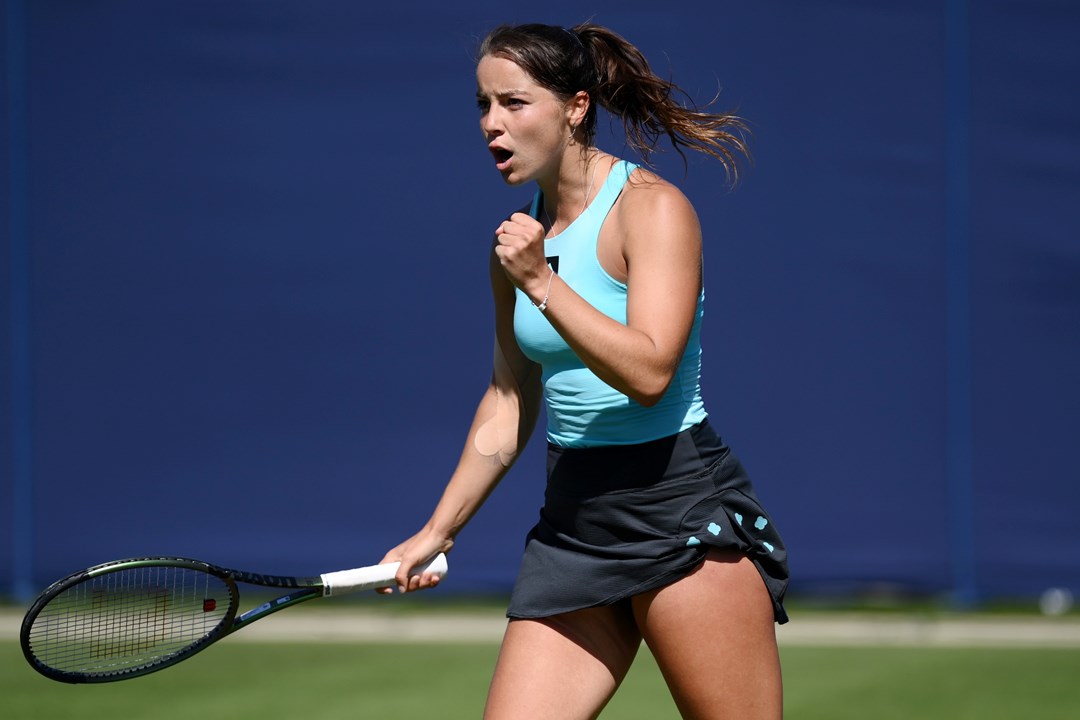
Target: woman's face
525,125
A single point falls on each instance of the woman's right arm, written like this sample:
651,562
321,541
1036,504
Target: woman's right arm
502,424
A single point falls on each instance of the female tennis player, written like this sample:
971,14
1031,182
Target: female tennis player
650,528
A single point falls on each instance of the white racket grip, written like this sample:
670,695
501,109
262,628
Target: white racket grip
375,576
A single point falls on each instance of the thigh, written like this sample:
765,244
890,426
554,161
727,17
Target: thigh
567,666
713,635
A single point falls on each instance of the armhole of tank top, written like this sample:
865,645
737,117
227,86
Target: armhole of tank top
628,168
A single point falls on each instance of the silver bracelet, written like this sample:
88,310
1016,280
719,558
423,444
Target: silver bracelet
547,293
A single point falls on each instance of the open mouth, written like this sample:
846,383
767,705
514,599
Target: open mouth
502,157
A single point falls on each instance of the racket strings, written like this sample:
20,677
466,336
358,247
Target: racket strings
128,619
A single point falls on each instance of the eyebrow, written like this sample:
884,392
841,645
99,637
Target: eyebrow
501,93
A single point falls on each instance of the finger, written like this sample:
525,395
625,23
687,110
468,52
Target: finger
519,223
508,232
401,578
525,220
406,578
506,226
413,581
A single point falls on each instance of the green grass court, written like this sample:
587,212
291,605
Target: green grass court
447,680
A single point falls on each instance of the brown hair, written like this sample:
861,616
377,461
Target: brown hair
617,76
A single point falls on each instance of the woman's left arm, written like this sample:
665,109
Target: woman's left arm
661,245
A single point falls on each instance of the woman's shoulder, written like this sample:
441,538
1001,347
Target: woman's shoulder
650,198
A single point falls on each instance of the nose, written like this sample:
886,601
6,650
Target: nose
490,123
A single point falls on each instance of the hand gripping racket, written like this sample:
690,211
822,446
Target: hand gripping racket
128,618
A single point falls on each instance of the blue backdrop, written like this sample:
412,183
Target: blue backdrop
247,311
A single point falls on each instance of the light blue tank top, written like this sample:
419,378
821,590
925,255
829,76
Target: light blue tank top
582,410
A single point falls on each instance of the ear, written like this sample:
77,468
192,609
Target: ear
577,107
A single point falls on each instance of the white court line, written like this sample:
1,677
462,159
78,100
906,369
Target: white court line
811,629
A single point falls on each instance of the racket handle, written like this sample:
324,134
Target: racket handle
375,576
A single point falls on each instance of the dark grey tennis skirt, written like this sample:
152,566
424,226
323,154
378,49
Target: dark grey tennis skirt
619,521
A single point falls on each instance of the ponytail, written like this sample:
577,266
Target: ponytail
629,89
618,78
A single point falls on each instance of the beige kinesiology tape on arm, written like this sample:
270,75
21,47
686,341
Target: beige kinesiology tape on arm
498,436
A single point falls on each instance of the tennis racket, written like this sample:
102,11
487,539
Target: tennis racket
128,618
